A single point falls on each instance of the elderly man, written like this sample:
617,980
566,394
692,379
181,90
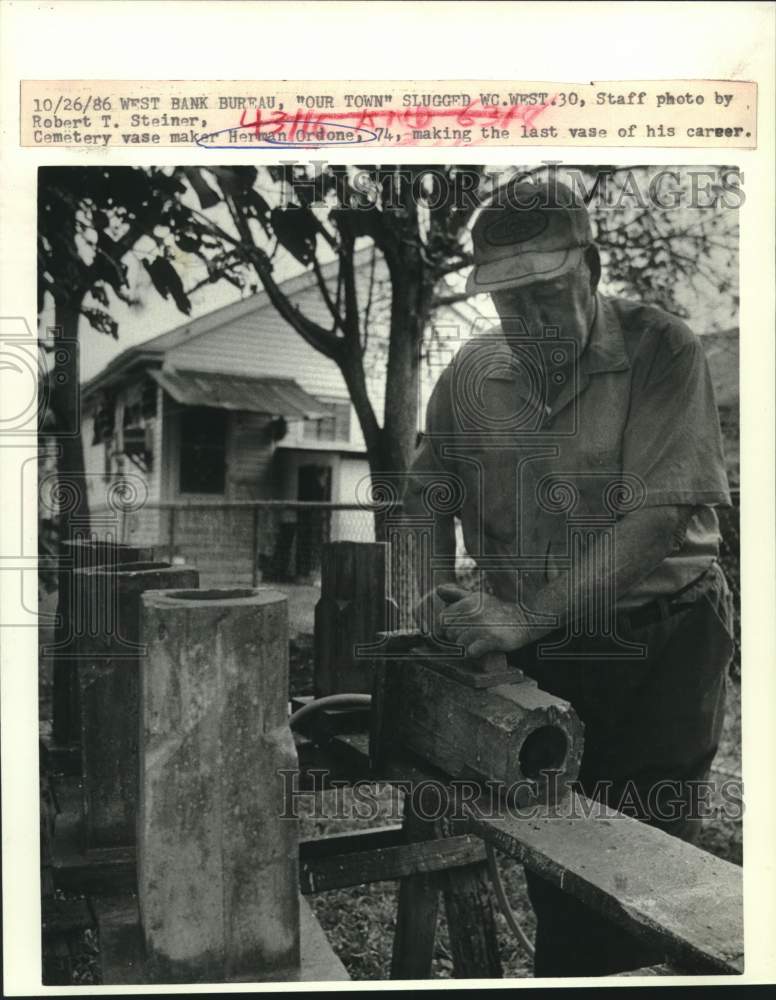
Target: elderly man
583,441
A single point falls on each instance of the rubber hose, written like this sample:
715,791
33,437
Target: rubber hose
503,902
328,701
352,699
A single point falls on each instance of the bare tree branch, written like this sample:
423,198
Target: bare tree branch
449,300
331,305
369,298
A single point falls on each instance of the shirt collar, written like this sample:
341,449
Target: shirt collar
605,350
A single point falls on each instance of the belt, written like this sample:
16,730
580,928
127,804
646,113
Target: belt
661,608
650,614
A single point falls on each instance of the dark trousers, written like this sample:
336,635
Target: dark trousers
648,720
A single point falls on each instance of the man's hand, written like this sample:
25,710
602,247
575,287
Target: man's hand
483,623
427,613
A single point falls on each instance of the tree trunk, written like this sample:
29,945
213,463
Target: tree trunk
408,316
400,422
66,404
352,369
73,507
390,448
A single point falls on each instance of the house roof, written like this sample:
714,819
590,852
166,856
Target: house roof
184,345
153,351
275,396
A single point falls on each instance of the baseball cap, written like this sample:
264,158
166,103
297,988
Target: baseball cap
528,232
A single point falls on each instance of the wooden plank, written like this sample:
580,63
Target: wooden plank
672,895
383,864
464,671
417,910
677,906
336,844
471,922
485,671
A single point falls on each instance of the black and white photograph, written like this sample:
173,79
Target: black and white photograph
387,493
389,581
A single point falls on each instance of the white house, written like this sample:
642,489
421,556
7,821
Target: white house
232,406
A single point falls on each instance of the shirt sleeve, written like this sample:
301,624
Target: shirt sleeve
672,439
427,462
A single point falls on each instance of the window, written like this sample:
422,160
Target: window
104,419
203,450
335,427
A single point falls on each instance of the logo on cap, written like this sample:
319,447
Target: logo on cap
511,229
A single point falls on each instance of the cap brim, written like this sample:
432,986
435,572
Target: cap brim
522,269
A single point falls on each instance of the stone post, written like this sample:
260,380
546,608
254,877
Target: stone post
218,879
109,693
77,555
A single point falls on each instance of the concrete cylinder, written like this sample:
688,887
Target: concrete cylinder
109,693
513,738
77,555
218,877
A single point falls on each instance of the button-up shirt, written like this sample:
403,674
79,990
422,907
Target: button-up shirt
548,448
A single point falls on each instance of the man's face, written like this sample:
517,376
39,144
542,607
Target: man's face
567,302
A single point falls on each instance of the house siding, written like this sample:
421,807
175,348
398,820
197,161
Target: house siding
250,462
138,522
262,344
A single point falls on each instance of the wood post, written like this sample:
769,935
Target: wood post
109,693
471,923
218,879
255,547
417,909
75,555
471,918
351,611
171,534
